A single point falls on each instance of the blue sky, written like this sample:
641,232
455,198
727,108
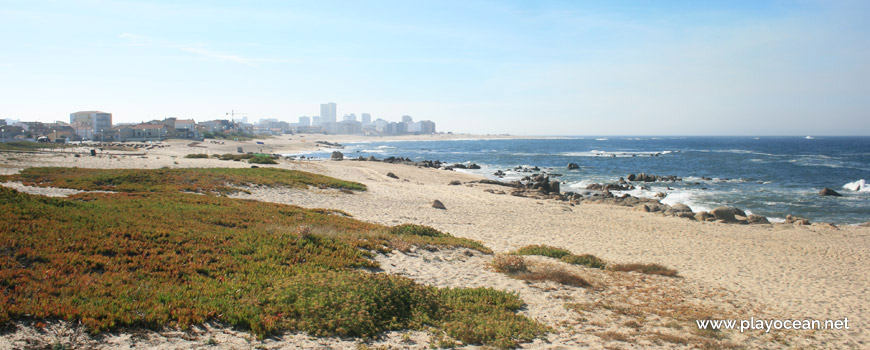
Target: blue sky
520,67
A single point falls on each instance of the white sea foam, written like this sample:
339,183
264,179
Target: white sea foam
858,186
776,220
687,197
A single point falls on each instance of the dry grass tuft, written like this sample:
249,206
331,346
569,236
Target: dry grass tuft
612,336
509,264
555,274
649,269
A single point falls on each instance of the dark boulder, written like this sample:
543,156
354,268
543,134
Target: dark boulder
438,205
726,214
572,166
390,174
829,192
336,155
757,220
554,186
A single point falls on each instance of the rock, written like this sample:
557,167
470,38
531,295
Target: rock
661,195
686,215
725,213
254,167
499,173
614,187
829,192
554,186
455,182
473,166
631,177
757,220
336,155
372,159
797,220
643,207
392,175
438,205
572,166
681,208
703,216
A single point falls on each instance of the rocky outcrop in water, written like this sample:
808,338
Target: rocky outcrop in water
829,192
643,177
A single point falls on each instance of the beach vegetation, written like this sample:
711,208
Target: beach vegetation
649,269
30,146
562,254
587,260
510,264
196,155
200,180
553,273
231,135
235,156
151,254
543,250
262,159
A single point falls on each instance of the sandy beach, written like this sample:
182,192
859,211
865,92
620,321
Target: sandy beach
779,271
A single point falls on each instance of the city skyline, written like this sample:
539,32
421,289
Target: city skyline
543,68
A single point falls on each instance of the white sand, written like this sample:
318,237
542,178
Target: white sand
780,271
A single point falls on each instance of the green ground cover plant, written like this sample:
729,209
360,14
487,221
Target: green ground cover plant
200,180
154,255
562,254
262,159
196,156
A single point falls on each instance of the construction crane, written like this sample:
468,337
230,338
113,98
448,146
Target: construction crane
233,113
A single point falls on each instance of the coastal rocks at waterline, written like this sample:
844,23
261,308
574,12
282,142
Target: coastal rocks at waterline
829,192
643,177
336,155
572,166
438,205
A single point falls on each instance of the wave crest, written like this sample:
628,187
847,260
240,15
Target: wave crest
858,186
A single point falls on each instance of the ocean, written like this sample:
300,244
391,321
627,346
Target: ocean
769,176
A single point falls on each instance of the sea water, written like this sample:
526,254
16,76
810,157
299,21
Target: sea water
770,176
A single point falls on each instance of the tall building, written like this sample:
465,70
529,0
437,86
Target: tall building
88,123
327,112
366,119
349,117
304,121
407,119
315,121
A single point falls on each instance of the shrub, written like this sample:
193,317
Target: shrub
236,156
262,159
509,264
649,269
417,230
585,260
196,155
487,316
542,250
201,180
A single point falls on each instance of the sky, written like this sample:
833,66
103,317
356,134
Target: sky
488,67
